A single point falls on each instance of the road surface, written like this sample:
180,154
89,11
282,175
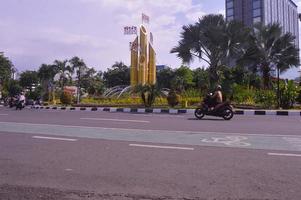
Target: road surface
49,154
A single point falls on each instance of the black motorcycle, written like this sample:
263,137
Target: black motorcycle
20,105
224,110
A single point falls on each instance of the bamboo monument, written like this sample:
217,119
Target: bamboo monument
143,60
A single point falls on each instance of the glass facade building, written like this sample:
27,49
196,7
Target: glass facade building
249,12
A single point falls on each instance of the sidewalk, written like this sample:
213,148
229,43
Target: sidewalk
169,111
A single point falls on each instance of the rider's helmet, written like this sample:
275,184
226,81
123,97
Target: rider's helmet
218,87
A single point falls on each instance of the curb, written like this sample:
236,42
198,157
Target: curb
168,111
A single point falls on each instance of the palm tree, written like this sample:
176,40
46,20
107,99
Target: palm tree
211,39
46,75
64,72
148,94
269,49
78,66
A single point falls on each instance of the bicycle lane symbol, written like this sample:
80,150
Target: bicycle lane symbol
234,141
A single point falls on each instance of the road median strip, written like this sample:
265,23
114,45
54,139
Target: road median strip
170,111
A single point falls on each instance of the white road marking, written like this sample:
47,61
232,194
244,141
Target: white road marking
3,114
161,147
116,120
68,170
229,141
54,138
284,154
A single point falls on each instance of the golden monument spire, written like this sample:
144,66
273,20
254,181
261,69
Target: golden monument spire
143,61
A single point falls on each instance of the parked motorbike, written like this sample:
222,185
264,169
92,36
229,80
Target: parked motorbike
225,110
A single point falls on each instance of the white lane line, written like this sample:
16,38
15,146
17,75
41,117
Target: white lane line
161,147
54,138
116,120
3,114
284,154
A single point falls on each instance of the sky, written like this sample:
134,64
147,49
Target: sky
33,32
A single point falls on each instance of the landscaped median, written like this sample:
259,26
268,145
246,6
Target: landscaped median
168,111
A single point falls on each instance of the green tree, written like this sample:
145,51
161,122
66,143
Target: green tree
29,79
46,75
183,78
119,74
148,94
13,88
165,77
64,72
211,39
80,68
269,49
201,79
6,70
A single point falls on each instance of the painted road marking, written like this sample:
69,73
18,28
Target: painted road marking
161,147
3,114
165,137
236,141
68,170
284,154
294,141
116,120
54,138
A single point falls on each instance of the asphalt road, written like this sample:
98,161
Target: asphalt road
98,155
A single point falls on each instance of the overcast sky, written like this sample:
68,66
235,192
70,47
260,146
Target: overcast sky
33,32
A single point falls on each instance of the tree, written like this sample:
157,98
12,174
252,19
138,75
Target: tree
201,79
119,74
165,77
211,39
148,94
64,72
46,75
78,66
183,78
29,79
269,49
6,70
13,88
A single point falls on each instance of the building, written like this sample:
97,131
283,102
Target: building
161,67
284,12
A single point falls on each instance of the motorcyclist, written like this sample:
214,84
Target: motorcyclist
22,98
218,97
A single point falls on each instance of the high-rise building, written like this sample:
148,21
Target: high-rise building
284,12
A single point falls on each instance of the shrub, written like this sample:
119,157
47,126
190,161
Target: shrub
288,94
299,97
243,95
66,98
266,98
173,98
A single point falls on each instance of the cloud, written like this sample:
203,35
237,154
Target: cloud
91,29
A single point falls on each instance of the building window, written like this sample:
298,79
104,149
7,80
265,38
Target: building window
230,18
256,4
256,20
230,4
230,12
256,12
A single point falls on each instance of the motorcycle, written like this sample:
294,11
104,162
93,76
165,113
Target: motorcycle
20,105
225,110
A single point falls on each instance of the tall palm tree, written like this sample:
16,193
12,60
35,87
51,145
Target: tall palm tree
78,66
46,75
269,50
211,39
64,72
